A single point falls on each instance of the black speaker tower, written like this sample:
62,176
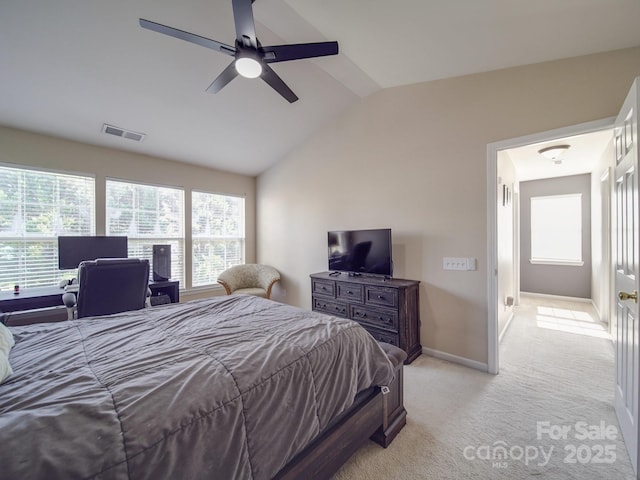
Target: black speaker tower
161,263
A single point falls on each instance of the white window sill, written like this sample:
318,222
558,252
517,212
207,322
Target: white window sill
565,263
204,291
202,288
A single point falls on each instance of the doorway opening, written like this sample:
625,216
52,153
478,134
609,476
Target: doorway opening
509,163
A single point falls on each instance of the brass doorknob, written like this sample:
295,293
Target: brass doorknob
628,296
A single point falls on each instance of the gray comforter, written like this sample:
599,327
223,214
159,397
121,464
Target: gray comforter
223,388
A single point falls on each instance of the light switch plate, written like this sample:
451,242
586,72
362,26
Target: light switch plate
454,263
459,263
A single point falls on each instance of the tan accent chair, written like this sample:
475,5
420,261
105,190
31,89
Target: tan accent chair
250,278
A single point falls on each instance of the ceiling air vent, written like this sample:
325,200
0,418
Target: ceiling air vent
121,132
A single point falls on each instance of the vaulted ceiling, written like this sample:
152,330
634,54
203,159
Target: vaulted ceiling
69,66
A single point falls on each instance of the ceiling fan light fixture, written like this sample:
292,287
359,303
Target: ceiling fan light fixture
248,67
250,58
554,152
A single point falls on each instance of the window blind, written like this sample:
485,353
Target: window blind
556,228
148,215
218,235
35,207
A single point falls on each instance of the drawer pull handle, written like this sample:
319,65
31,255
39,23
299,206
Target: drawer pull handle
380,297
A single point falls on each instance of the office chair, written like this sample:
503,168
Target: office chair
109,285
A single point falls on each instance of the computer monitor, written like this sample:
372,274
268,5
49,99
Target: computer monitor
74,249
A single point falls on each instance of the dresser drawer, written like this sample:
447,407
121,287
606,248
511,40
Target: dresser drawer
323,287
382,336
386,319
332,308
382,296
350,291
389,309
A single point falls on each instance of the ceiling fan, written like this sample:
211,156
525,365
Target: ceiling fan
251,58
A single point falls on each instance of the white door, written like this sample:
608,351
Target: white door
627,348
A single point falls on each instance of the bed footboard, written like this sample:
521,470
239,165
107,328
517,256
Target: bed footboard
395,416
379,418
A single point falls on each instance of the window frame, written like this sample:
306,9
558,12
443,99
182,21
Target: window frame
99,225
178,257
38,280
573,262
195,239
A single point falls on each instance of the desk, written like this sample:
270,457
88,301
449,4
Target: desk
170,288
31,298
44,297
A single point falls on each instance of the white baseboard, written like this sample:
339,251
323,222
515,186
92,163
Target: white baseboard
506,326
602,318
557,297
467,362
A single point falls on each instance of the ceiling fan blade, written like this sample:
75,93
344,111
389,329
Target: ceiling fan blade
245,25
272,78
225,77
189,37
283,53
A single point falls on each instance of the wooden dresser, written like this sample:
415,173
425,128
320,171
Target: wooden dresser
388,309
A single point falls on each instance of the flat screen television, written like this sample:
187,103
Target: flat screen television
361,252
73,250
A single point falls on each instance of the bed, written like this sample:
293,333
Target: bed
223,388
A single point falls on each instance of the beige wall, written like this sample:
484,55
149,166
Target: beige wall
562,280
25,148
414,158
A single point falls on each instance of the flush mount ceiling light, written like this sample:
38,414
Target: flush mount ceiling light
554,152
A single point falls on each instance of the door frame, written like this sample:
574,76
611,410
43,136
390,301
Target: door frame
492,227
606,194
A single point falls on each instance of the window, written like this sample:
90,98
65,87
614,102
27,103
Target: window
148,215
35,207
556,229
217,235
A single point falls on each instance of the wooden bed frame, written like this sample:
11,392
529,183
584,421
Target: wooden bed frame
379,417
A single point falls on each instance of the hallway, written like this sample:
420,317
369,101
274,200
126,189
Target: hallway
565,354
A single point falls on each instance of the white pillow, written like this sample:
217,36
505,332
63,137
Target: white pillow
6,339
6,342
5,367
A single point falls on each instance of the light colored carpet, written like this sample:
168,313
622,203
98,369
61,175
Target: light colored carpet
549,377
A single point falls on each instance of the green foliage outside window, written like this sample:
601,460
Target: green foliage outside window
217,235
36,207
